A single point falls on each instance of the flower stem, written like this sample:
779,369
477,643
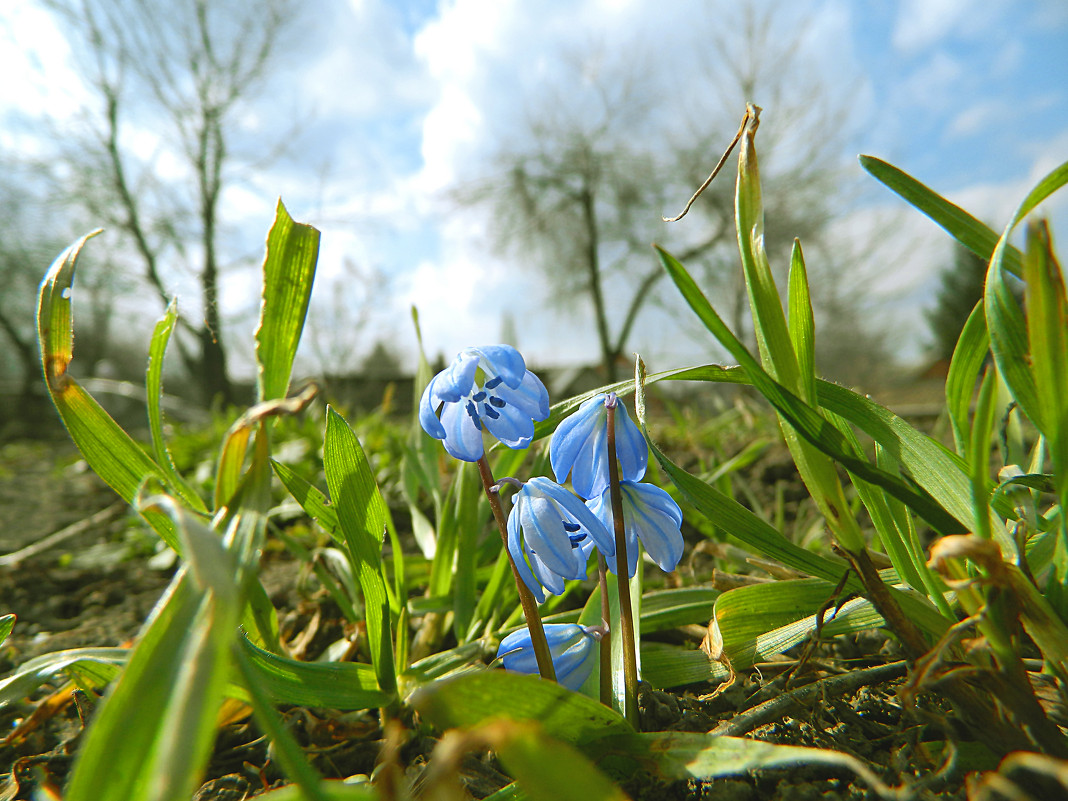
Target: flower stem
626,613
526,597
606,642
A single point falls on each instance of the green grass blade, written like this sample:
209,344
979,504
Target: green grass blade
1008,342
336,685
685,756
153,735
939,472
107,448
769,322
469,700
286,750
312,500
760,621
1004,317
802,324
968,358
288,275
804,419
681,606
962,226
525,752
157,348
744,524
7,623
26,678
361,513
665,666
1047,320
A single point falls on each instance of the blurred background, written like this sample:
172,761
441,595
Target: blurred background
503,167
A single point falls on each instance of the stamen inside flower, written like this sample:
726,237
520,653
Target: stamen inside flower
473,412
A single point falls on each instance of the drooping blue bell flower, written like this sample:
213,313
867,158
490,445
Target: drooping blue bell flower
579,446
649,515
550,535
455,407
571,646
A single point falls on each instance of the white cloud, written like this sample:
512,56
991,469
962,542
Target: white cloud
924,24
34,60
977,118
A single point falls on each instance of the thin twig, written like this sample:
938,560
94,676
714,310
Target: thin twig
750,111
112,512
772,710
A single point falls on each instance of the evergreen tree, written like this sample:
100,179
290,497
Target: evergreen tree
962,287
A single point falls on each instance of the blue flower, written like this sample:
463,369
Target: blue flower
649,515
454,407
580,446
551,534
571,646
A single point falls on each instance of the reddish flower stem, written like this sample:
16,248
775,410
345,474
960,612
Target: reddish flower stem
526,597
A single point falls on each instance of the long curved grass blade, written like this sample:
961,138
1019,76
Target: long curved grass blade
939,472
1004,317
757,622
668,609
337,685
312,500
802,325
693,755
285,747
107,449
525,752
26,678
288,275
971,351
157,348
361,513
665,666
1047,328
469,700
979,238
805,420
158,710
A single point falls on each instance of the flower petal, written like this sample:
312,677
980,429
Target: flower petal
544,534
579,446
572,506
511,426
504,361
428,416
463,437
656,519
531,396
458,379
632,451
518,552
571,646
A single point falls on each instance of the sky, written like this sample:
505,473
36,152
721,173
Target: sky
388,107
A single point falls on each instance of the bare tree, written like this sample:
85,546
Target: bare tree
179,75
580,194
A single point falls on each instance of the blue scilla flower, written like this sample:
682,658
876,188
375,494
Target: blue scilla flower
455,408
571,646
649,515
550,535
579,446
